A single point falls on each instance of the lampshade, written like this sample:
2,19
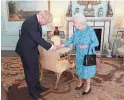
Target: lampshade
57,22
122,25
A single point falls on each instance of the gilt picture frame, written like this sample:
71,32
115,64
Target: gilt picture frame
21,10
62,34
119,34
49,35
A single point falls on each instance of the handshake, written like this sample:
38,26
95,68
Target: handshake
56,47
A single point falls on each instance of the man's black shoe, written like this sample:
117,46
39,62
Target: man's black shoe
35,96
42,89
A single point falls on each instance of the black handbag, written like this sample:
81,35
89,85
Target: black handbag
89,59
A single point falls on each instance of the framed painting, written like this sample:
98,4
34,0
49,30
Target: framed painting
49,35
62,35
120,34
21,10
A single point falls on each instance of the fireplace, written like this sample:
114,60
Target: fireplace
99,32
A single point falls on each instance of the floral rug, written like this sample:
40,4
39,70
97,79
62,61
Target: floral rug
108,84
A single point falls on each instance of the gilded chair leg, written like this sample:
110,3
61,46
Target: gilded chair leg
73,69
116,56
41,72
58,77
73,72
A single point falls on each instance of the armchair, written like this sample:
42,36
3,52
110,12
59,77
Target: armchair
120,52
56,40
51,61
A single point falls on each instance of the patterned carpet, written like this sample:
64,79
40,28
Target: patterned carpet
108,84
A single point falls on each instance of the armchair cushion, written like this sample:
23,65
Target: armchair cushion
62,65
50,60
56,40
120,51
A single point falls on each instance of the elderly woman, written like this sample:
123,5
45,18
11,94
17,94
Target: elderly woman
84,38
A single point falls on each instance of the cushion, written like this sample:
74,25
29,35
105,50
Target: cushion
121,50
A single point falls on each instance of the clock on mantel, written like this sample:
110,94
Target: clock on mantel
87,2
89,10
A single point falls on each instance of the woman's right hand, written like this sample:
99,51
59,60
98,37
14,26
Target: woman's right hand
62,45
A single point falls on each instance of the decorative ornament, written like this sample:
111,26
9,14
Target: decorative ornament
76,10
100,12
81,2
89,11
69,12
109,11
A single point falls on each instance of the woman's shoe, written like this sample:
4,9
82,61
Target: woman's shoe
86,93
78,88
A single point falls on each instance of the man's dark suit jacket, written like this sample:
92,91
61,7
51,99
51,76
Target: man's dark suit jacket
31,37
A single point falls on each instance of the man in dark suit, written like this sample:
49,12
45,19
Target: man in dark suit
27,48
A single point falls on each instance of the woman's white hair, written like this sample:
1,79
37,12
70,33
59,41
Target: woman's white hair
80,18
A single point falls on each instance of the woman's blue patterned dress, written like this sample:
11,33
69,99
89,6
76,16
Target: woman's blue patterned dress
86,37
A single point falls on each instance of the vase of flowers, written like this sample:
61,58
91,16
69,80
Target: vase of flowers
12,9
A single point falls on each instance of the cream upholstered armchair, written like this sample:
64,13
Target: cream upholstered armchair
51,61
56,40
120,52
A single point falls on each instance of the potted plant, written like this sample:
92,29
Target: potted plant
11,8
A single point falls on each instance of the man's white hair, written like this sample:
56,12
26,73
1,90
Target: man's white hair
46,15
80,18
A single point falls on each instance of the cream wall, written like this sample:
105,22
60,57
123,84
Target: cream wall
119,13
9,30
119,8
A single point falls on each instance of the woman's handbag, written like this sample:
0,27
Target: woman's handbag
89,59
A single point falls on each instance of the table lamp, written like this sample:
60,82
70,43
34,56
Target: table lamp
56,23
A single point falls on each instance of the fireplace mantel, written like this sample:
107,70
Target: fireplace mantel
94,18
